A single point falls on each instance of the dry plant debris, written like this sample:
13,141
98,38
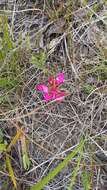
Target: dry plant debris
53,145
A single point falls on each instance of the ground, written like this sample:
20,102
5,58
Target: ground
39,39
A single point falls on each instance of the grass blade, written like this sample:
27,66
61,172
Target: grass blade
10,170
75,171
40,185
86,180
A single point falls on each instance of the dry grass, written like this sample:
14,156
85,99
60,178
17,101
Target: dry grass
73,38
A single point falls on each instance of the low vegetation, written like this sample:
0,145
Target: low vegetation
53,95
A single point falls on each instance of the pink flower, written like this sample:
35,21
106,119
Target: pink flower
52,91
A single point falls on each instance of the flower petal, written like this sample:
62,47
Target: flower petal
60,95
47,97
60,78
42,88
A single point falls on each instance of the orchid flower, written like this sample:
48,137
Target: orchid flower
52,91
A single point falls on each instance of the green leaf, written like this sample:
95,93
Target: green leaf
2,147
39,60
84,2
26,161
41,184
87,88
25,157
